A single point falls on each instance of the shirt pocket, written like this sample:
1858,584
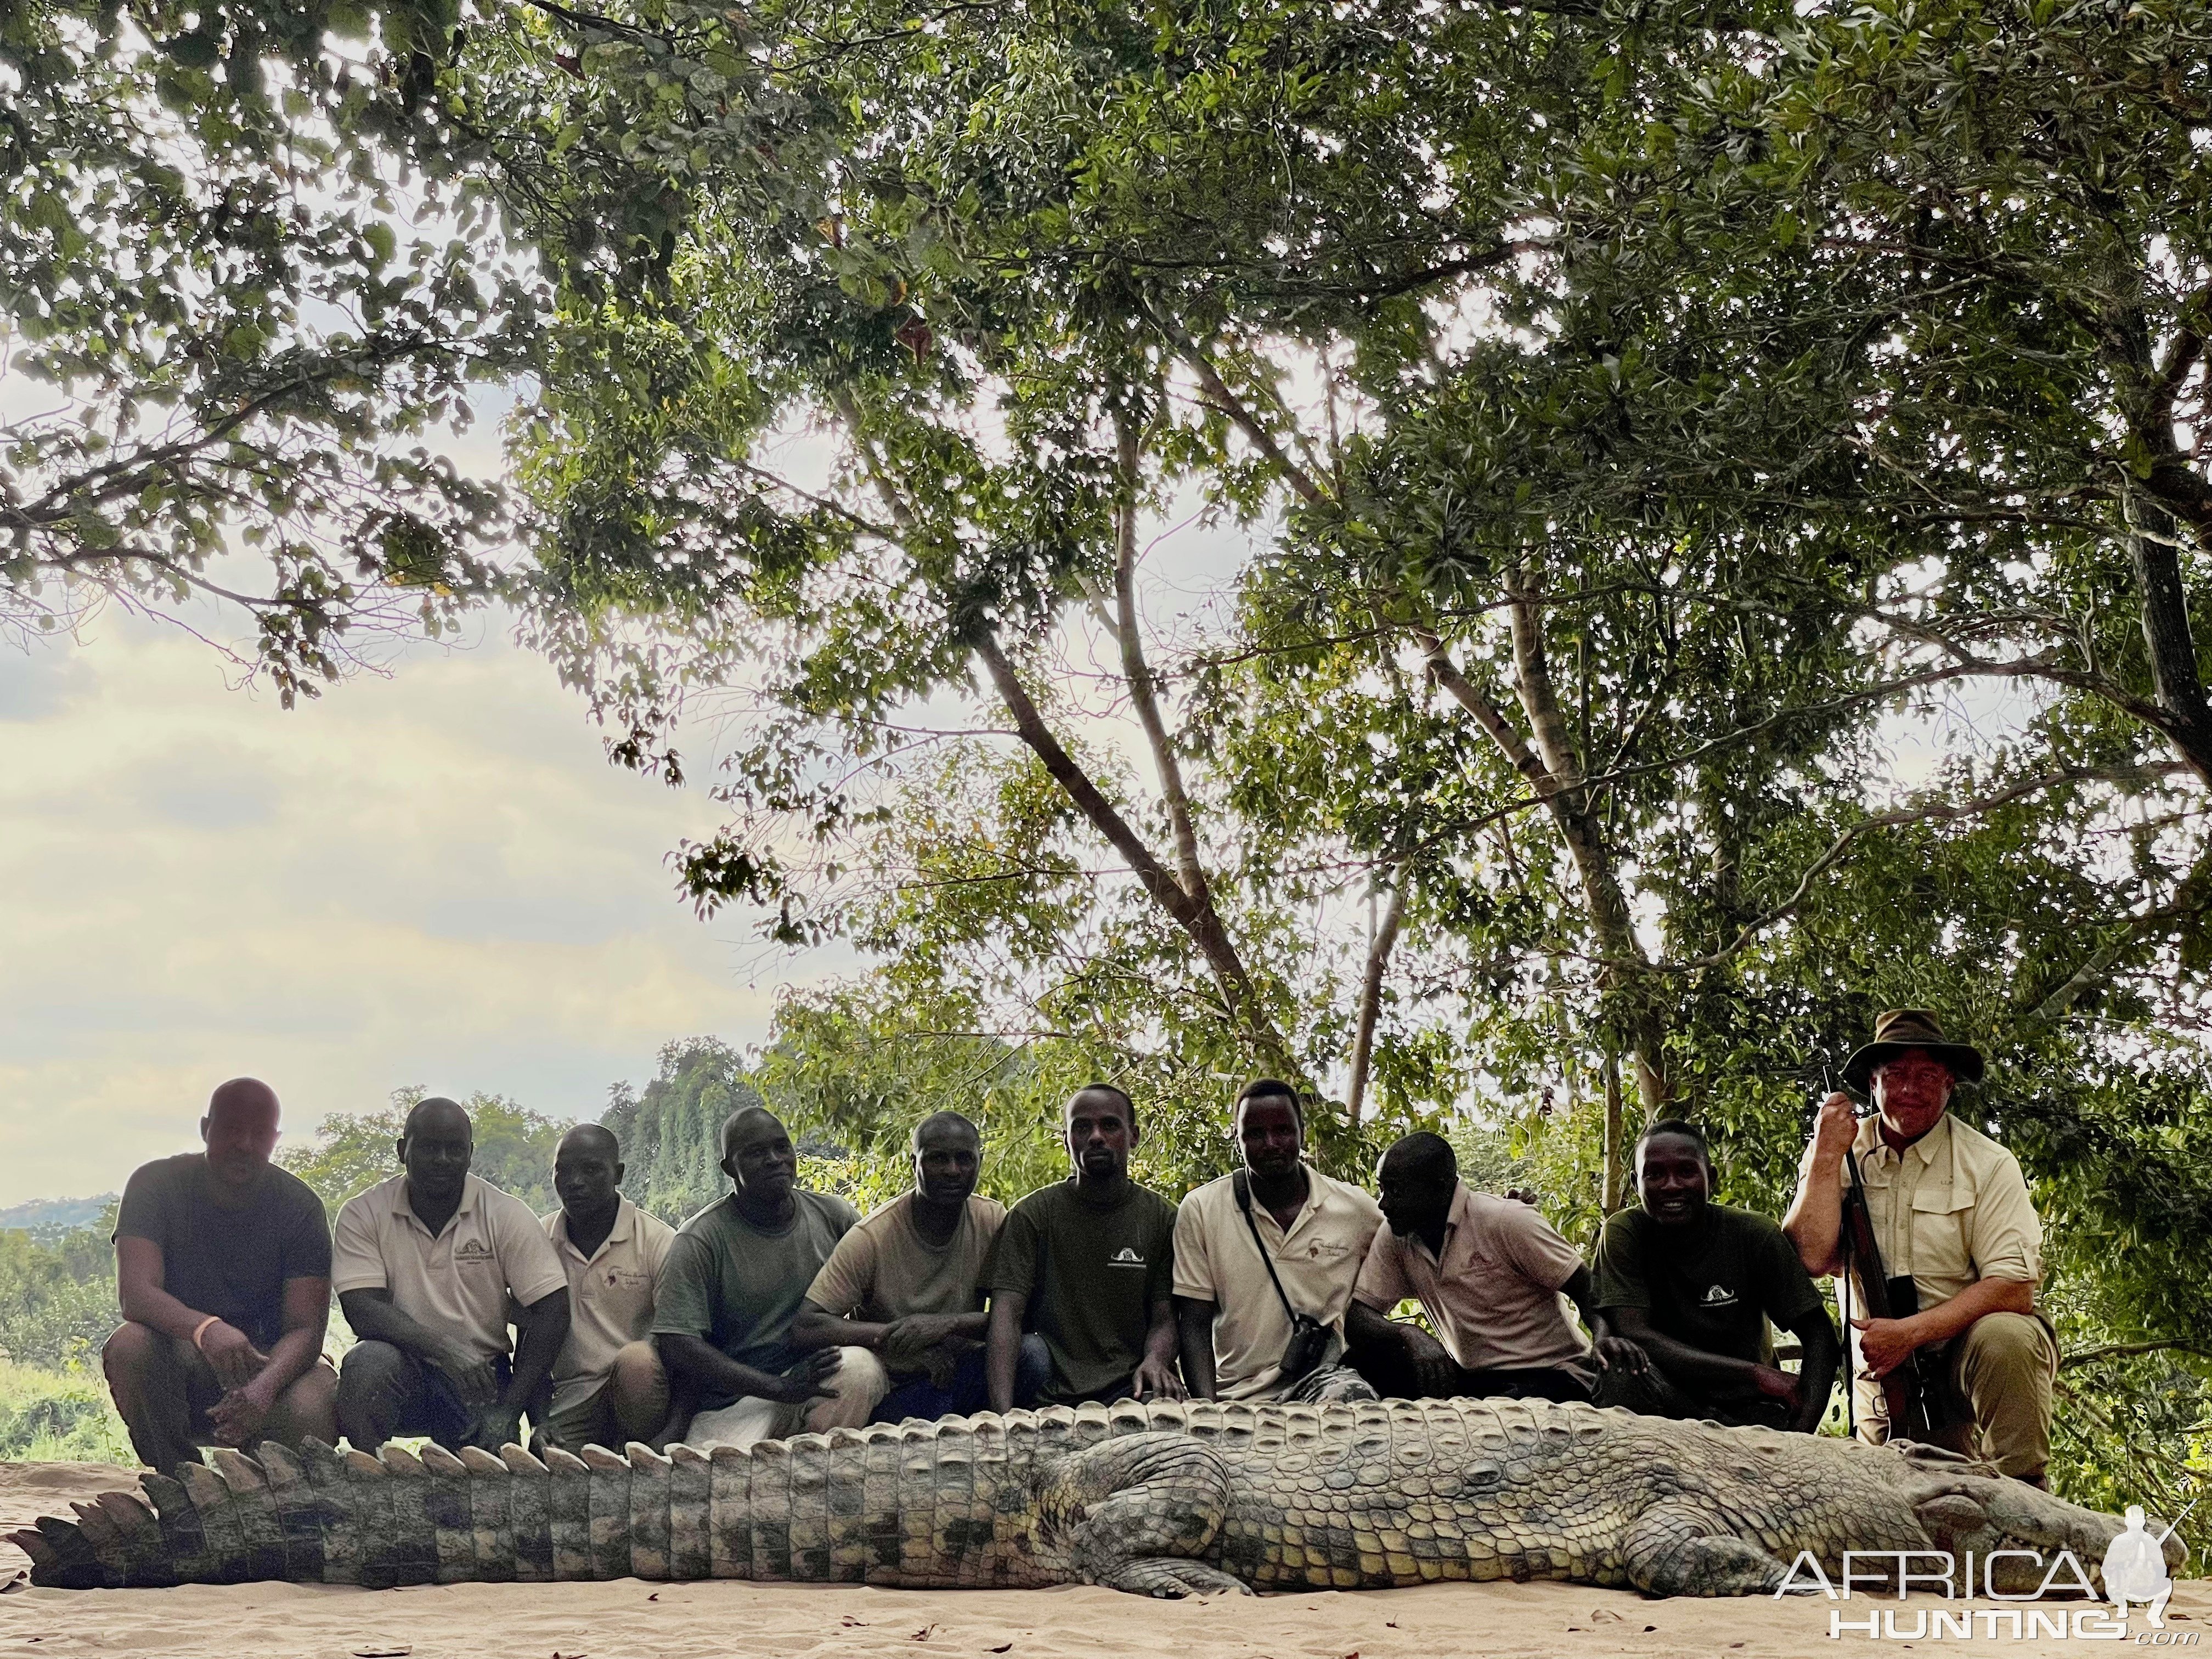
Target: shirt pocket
1941,1218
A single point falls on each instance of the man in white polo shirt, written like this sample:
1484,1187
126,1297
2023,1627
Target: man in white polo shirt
1235,1321
608,1386
425,1266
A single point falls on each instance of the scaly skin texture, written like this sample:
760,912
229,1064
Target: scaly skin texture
1162,1499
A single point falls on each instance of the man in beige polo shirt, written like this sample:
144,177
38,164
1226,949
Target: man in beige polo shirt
1234,1322
425,1266
1950,1211
607,1388
1489,1272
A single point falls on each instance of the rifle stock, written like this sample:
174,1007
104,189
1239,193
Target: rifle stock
1905,1390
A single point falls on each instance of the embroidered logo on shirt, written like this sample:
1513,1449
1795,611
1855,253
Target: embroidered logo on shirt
472,1249
1719,1295
1125,1257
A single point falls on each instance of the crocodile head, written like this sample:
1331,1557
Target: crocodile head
1964,1504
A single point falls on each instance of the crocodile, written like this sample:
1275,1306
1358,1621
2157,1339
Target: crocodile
1161,1499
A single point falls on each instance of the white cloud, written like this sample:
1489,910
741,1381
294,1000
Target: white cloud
430,878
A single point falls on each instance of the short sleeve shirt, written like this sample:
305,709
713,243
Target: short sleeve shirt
1493,1293
1951,1208
1714,1287
739,1286
1091,1273
459,1283
233,1263
610,1295
884,1269
1318,1260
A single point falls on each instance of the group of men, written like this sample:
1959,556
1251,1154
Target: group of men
777,1309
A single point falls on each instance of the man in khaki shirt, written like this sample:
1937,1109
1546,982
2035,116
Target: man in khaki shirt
1951,1210
608,1388
1230,1318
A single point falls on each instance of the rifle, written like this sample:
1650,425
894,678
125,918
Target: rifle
1906,1390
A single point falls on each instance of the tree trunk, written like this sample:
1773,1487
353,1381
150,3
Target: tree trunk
1370,997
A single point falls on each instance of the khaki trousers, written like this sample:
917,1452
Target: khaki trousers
858,1385
629,1402
1999,1371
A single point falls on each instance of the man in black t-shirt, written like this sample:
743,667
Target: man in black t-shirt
1087,1264
222,1265
1695,1284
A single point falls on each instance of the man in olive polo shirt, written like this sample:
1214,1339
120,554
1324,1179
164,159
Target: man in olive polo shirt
425,1266
608,1386
1234,1318
737,1276
1694,1284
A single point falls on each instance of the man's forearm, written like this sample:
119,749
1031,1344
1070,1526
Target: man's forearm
1816,1369
1693,1369
1984,1295
537,1338
709,1374
813,1329
375,1319
290,1358
1194,1333
1002,1345
142,1296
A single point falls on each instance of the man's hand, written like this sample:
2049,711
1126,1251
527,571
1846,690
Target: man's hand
232,1353
916,1343
237,1417
469,1371
1776,1383
1884,1344
809,1380
498,1425
1158,1379
1618,1354
1834,1131
1434,1368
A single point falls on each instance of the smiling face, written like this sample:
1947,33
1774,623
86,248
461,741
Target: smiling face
1270,1136
1100,1130
1673,1179
1912,1090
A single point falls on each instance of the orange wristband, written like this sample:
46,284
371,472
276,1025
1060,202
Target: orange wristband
200,1329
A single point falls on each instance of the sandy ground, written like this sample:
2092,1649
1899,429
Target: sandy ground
631,1619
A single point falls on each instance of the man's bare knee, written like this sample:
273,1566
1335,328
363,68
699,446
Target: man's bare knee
132,1349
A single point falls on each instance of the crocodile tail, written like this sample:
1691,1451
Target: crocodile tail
915,1503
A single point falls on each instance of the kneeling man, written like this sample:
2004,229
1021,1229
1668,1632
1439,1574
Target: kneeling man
1950,1211
737,1274
608,1388
1694,1284
222,1265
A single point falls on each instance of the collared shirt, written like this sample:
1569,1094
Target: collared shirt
1318,1259
459,1282
1492,1293
1950,1209
610,1295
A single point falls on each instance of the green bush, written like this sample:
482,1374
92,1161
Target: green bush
59,1415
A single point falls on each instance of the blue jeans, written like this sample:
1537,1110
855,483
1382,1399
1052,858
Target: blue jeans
967,1392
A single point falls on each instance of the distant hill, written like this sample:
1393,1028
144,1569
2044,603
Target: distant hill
45,1218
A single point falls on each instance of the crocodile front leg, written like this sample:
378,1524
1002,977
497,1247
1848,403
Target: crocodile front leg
1135,1515
1679,1550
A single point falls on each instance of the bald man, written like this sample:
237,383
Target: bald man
426,1265
608,1388
222,1265
907,1285
737,1274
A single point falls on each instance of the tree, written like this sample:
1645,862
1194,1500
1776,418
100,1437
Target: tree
355,1151
237,260
670,1131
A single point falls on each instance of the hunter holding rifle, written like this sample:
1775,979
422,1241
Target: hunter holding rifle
1960,1249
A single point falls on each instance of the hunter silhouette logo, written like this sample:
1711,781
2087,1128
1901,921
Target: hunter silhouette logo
1125,1257
1719,1295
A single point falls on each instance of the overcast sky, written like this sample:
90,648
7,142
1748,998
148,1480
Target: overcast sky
431,879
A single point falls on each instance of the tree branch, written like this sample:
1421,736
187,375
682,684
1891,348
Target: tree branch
1370,995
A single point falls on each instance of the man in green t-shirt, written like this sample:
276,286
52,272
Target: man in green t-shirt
737,1275
1087,1264
1695,1283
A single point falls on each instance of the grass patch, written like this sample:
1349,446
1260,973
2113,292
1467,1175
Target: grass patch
59,1416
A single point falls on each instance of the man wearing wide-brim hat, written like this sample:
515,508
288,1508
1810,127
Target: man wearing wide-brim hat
1951,1210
